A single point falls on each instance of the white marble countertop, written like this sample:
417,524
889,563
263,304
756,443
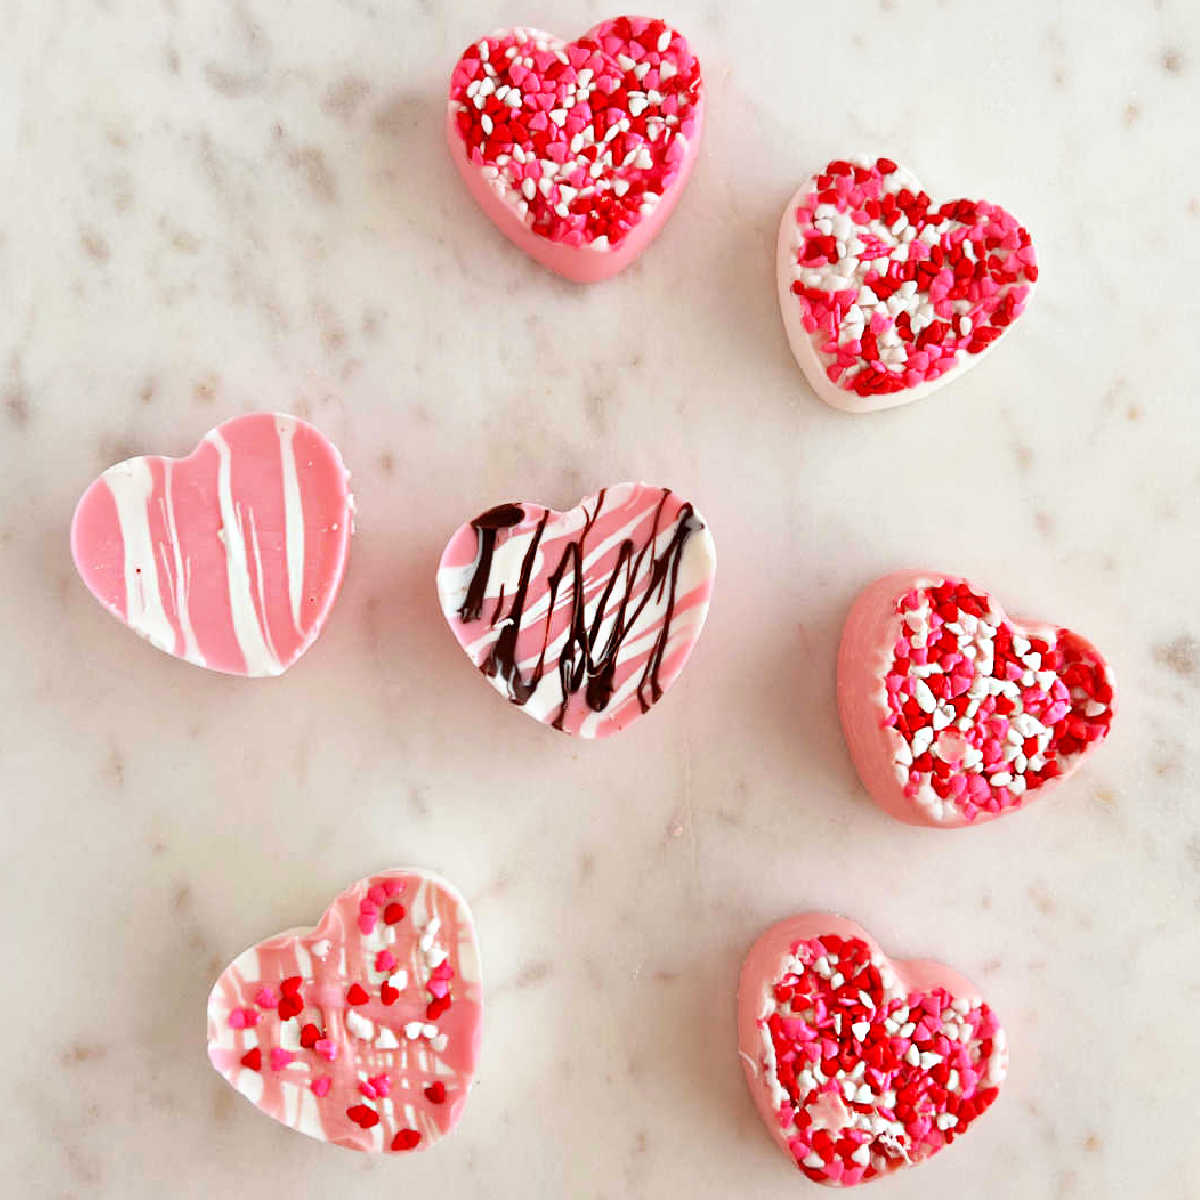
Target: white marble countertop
209,207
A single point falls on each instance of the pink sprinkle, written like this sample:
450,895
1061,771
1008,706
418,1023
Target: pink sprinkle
265,998
321,1086
326,1049
280,1058
385,960
242,1018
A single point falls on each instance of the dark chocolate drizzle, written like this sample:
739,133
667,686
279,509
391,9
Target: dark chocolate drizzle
581,664
486,525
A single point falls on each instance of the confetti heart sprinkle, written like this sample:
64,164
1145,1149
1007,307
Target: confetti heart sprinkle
363,1031
887,296
955,713
578,150
861,1065
582,618
230,558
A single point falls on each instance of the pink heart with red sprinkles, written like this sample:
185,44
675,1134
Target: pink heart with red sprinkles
577,150
365,1030
887,296
954,712
861,1065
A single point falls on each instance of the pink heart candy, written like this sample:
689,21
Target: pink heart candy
578,150
581,618
955,713
230,558
341,1059
859,1064
887,296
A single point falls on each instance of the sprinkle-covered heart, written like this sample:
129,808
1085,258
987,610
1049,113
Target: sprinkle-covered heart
230,558
886,296
577,150
954,712
860,1064
582,618
363,1031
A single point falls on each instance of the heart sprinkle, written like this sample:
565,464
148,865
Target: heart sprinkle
583,618
984,713
340,1045
580,140
895,292
864,1076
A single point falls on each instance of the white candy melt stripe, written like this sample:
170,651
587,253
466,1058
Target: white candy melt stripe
182,574
246,625
131,484
293,514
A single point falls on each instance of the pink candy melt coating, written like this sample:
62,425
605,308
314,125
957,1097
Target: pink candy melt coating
352,1055
230,558
654,550
563,236
873,627
913,979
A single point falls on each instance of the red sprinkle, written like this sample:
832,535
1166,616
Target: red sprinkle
406,1139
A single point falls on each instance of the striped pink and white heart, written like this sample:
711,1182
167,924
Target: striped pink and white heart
230,558
363,1031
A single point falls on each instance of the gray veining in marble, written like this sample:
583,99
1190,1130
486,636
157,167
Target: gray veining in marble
210,206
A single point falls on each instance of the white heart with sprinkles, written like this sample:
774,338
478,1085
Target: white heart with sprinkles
887,296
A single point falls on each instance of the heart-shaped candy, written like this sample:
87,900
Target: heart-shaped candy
860,1064
955,713
578,150
582,618
886,296
230,558
363,1031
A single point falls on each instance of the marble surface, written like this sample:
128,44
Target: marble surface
210,207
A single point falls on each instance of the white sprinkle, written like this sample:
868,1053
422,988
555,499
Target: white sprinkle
922,740
860,1029
664,41
321,948
486,124
412,1030
946,1120
359,1025
386,1040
